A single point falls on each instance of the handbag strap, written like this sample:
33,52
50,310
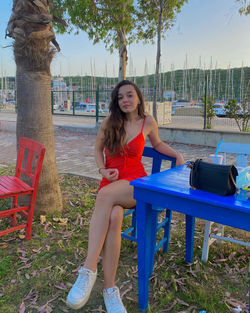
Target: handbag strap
231,175
194,173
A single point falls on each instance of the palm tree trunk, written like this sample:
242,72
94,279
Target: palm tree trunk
30,26
34,120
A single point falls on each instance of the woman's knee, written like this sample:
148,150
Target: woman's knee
116,217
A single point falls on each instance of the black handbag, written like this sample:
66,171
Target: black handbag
216,178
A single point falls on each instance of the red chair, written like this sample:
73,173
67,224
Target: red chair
31,153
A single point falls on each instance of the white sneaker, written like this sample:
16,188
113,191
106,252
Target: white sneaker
80,292
113,300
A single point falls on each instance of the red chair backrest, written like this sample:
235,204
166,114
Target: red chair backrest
31,153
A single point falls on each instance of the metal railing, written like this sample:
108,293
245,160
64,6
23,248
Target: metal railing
94,103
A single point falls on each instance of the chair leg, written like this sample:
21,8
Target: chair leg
14,205
134,231
167,230
30,219
205,248
220,232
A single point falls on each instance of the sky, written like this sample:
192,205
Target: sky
206,32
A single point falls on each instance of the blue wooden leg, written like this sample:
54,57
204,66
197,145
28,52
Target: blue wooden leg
190,225
167,230
144,232
154,222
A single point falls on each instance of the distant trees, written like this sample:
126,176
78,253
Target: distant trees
30,25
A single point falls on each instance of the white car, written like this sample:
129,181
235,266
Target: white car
219,109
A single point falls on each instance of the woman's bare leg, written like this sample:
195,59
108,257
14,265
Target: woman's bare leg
117,193
112,247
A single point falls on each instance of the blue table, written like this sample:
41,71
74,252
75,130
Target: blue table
171,189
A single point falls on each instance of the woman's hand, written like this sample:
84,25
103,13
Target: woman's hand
110,174
179,160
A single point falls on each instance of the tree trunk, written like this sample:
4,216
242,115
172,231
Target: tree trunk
34,120
30,26
158,56
123,58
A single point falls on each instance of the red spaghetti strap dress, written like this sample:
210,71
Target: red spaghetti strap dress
129,163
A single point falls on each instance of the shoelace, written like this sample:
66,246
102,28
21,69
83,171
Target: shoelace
83,279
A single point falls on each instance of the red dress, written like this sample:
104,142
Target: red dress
129,163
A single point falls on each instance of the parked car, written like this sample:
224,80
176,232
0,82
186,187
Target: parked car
219,109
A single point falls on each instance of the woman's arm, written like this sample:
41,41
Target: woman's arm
158,144
109,174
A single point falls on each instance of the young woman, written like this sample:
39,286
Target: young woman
118,151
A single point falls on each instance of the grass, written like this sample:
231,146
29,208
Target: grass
36,275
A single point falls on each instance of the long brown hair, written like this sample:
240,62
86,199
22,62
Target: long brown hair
114,133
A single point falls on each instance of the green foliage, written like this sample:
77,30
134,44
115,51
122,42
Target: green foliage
210,114
116,23
239,113
231,108
148,14
245,8
101,20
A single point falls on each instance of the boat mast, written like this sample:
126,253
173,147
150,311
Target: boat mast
219,86
242,83
145,80
172,80
200,79
215,94
107,84
211,78
81,87
232,81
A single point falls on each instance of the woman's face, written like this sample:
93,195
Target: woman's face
128,99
